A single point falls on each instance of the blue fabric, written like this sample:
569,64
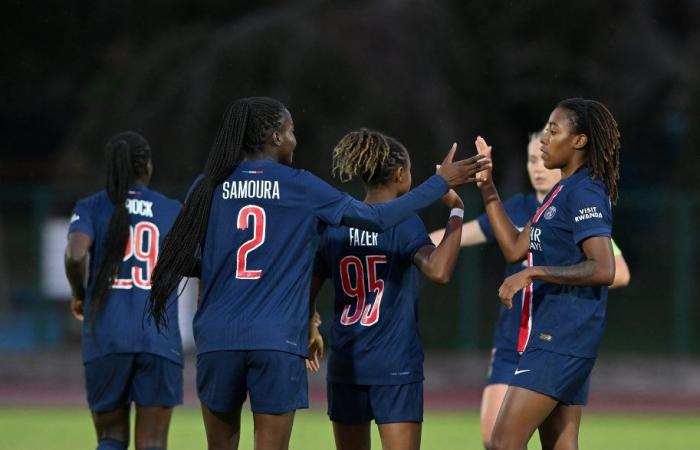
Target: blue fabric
353,404
563,377
276,381
503,365
111,444
114,381
520,209
121,327
255,287
569,319
374,337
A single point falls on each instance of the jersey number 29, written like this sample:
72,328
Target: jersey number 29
366,314
142,245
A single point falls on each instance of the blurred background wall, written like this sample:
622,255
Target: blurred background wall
429,73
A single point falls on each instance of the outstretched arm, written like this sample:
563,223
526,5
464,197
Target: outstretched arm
597,270
75,262
513,243
438,263
471,235
381,217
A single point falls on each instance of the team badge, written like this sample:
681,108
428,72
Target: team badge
551,211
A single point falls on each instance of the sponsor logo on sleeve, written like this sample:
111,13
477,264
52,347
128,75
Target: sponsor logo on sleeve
75,217
588,213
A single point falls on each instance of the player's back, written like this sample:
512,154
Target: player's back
121,326
374,336
257,258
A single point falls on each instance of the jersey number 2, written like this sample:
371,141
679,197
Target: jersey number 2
366,314
144,250
257,214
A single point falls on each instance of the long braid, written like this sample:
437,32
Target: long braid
128,155
369,154
245,126
594,120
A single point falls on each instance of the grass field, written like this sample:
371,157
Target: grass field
64,429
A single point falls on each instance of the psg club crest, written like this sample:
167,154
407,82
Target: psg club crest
551,211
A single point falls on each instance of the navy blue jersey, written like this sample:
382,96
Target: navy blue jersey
374,338
520,209
121,326
567,319
258,254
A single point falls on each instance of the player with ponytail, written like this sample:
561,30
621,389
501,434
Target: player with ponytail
113,243
249,229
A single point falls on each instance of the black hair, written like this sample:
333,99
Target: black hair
370,154
244,128
128,155
593,119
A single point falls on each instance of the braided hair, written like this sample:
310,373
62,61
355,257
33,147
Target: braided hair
128,156
593,119
370,154
244,128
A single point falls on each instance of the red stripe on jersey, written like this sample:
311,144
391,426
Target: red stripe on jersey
544,207
526,313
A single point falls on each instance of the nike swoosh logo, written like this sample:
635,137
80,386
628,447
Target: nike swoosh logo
518,372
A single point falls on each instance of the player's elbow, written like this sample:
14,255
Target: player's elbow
75,256
440,276
607,275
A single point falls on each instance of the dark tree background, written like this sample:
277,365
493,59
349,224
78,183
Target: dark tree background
428,72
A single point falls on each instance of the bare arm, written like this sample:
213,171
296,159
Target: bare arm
75,263
513,243
438,263
597,270
471,235
622,273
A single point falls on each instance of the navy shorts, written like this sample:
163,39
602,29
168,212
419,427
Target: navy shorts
563,377
114,381
356,403
276,381
503,365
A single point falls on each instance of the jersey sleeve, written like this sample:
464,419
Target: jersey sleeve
321,269
81,219
380,217
590,212
326,202
413,236
510,206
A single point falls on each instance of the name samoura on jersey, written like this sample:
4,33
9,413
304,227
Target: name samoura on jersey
258,254
374,337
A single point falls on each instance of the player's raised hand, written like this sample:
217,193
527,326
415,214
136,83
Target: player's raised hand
484,177
463,171
512,285
76,307
452,198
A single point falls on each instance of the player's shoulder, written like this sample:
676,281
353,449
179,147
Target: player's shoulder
94,200
163,200
411,223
